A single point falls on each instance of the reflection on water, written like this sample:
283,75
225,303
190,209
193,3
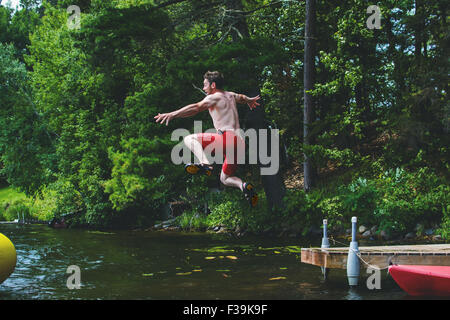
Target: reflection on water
353,294
165,265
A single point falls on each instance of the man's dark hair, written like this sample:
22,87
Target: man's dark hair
215,76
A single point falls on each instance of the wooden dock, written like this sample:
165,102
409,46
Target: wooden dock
380,256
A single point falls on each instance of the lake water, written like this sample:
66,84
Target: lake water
171,265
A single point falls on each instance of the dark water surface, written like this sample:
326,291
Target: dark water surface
171,265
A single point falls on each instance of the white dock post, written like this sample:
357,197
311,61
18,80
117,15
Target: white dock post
352,259
325,244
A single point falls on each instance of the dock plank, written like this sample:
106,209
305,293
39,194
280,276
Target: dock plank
380,256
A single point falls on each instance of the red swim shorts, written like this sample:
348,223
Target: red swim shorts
227,141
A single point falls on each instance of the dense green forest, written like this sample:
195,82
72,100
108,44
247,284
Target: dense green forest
77,133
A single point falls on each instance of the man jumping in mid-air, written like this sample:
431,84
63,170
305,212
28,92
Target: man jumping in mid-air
222,108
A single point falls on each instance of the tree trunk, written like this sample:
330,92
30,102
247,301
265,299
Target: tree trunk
419,29
308,78
273,184
239,23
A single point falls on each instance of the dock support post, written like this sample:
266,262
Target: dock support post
325,244
352,259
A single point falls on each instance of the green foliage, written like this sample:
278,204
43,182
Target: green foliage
192,220
13,202
9,194
139,174
25,144
409,198
444,230
359,199
18,209
395,201
228,213
301,212
342,158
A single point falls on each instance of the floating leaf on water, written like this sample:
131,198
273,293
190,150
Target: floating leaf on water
283,268
269,249
277,278
277,252
294,249
215,249
197,270
224,270
210,258
99,232
178,268
231,257
183,273
305,285
147,274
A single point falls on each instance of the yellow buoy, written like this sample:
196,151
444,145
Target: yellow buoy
8,258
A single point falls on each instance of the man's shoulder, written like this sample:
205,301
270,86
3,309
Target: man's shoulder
230,93
219,95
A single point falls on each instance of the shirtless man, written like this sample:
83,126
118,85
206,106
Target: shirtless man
222,109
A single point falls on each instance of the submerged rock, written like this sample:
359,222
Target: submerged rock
384,235
58,223
410,235
437,237
366,234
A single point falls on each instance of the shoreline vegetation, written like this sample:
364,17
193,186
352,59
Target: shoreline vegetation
396,206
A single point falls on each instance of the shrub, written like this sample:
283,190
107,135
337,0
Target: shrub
192,220
56,199
227,213
301,210
18,209
408,198
139,177
444,230
396,201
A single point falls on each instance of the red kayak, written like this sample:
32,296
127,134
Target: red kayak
422,280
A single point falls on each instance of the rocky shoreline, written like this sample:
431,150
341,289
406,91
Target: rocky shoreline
368,234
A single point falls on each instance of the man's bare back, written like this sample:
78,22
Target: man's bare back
223,111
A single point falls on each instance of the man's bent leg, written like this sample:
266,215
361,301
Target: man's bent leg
231,181
195,146
246,188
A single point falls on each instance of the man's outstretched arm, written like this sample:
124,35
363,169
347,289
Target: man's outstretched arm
187,111
242,98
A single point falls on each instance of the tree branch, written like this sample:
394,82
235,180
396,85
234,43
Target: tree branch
168,3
